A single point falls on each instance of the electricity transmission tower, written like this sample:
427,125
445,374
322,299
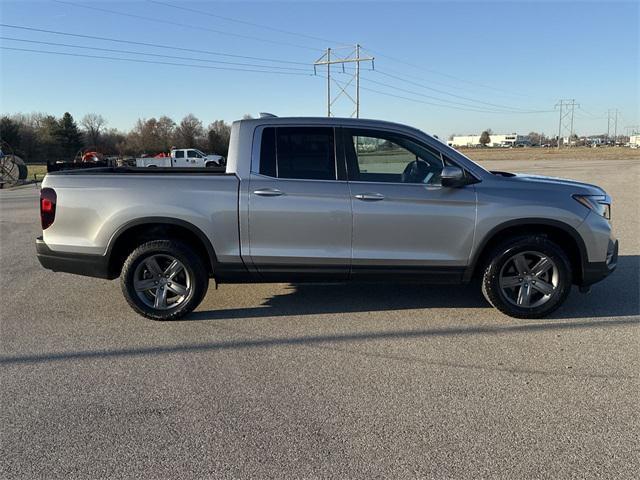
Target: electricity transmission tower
343,88
612,121
565,123
632,130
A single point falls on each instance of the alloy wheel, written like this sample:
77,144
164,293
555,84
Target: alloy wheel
529,279
162,282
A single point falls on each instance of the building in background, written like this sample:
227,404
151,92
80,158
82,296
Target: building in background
495,140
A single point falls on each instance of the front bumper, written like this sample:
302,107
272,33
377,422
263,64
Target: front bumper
593,272
77,263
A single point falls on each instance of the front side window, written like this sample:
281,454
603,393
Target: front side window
388,157
193,154
306,153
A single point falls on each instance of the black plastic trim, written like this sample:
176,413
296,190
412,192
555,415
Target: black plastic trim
593,272
77,263
527,222
408,274
168,221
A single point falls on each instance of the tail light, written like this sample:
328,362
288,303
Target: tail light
47,207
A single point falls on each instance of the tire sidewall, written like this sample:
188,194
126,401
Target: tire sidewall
191,263
505,253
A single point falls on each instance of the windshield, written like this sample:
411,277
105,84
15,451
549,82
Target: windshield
454,154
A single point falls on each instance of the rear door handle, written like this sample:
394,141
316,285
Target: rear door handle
268,192
369,197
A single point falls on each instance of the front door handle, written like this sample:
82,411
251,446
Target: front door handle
268,192
369,197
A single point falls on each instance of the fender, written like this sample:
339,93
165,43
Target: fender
166,220
524,222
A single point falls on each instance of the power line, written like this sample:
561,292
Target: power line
444,92
191,27
243,22
414,100
447,75
312,37
154,45
138,60
131,52
451,102
269,40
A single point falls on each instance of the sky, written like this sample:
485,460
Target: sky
460,67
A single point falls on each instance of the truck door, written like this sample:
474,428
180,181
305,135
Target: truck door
404,221
194,159
299,212
178,158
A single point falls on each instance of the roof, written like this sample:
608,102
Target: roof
333,121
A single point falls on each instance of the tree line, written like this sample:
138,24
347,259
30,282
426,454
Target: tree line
40,137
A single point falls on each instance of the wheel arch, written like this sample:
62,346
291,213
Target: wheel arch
561,233
135,232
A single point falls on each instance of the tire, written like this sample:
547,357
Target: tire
520,284
177,280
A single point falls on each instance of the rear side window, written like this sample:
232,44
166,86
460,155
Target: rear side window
306,153
180,154
268,153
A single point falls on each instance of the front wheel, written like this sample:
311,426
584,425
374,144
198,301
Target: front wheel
527,277
164,280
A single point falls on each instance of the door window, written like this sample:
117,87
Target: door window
376,156
179,153
193,154
306,153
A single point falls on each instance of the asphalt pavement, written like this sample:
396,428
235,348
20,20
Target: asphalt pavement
326,381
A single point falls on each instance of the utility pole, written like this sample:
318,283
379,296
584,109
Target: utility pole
328,82
565,121
358,80
612,121
353,57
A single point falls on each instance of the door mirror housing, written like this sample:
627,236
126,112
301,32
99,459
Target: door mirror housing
452,176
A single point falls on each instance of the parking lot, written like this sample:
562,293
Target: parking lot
287,381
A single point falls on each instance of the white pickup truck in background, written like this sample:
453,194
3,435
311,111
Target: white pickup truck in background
184,158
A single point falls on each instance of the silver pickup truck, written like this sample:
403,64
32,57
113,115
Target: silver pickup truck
325,199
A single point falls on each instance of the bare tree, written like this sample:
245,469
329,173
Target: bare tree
93,125
165,132
218,137
190,132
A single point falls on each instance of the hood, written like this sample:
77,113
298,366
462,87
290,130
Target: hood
578,187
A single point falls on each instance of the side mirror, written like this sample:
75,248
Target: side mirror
452,176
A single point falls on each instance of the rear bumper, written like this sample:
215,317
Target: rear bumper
593,272
77,263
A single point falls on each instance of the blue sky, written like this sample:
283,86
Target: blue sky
522,56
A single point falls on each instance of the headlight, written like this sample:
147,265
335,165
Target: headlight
601,204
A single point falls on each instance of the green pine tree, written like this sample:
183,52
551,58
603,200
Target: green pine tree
68,137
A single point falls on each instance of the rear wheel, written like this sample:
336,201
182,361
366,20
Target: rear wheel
164,280
527,277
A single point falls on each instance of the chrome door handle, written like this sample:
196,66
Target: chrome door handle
268,192
369,197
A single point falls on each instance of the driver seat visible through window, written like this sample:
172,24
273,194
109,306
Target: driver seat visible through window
376,156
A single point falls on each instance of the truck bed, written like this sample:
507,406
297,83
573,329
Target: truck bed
94,205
